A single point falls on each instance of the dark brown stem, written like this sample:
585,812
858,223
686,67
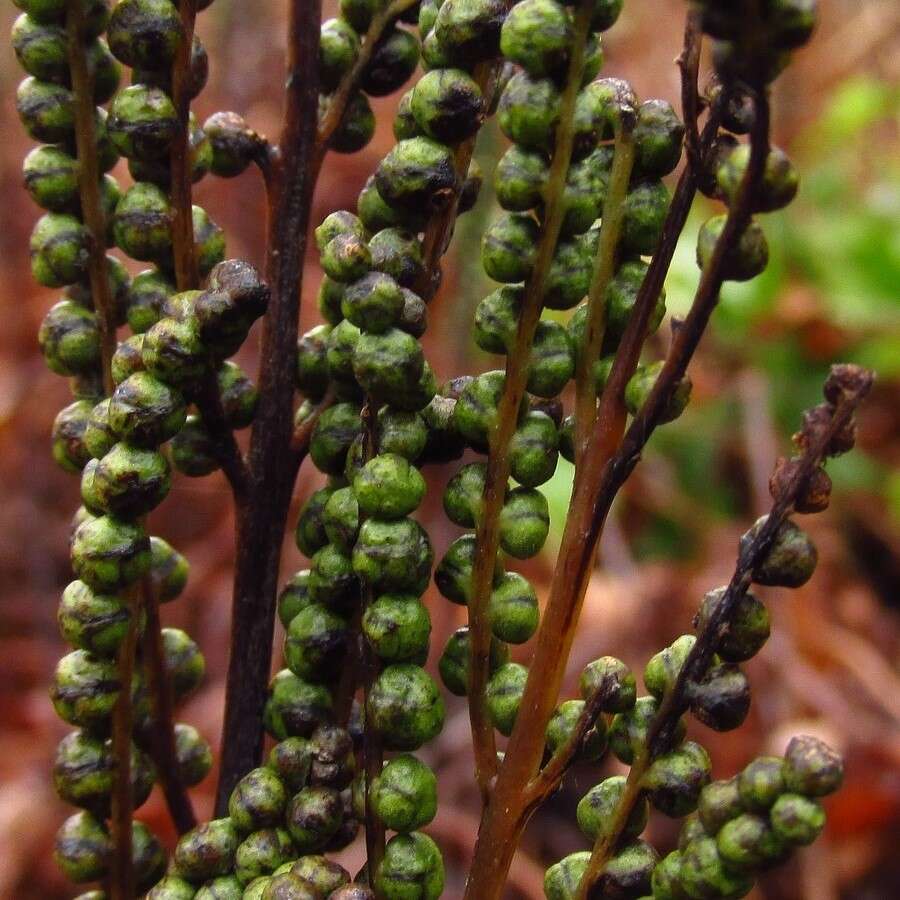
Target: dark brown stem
186,275
89,187
161,736
261,520
689,64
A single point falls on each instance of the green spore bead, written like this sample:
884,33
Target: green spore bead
463,495
721,699
316,643
427,15
338,48
59,251
475,412
70,339
341,518
720,802
171,887
91,621
791,560
663,669
47,111
109,554
85,689
570,273
334,432
198,73
665,882
405,125
185,664
398,253
562,879
552,361
291,760
524,522
562,726
233,143
147,299
691,829
41,49
281,887
207,851
628,872
142,122
328,301
323,875
148,856
346,258
257,888
703,873
454,662
471,187
411,869
628,730
405,706
597,807
393,61
779,181
310,535
533,452
416,395
745,260
226,887
640,385
397,627
257,801
209,241
400,432
674,781
417,174
504,693
145,33
468,31
497,318
340,222
145,411
333,762
312,363
747,843
339,350
192,753
762,782
404,796
520,178
130,482
332,581
620,299
513,610
142,225
414,318
51,178
238,395
508,247
82,848
645,208
128,358
657,137
453,575
444,443
376,213
613,679
747,629
537,34
585,192
796,820
193,449
387,365
447,105
812,768
357,127
313,817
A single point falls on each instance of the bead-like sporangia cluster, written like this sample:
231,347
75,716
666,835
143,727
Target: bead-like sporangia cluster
583,207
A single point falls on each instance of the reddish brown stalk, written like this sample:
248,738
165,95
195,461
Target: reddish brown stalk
89,188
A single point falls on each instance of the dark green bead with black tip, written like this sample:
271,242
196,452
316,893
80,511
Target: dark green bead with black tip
193,449
674,780
405,125
316,643
397,627
82,848
47,111
238,395
520,178
225,887
130,481
538,35
561,881
310,534
405,706
294,597
791,560
328,301
40,49
295,707
748,843
747,629
171,887
312,364
257,801
389,365
720,802
147,299
444,442
569,276
454,662
346,258
657,138
628,872
334,432
85,689
628,730
645,209
533,450
356,128
157,171
620,299
243,283
51,178
92,621
332,581
665,882
323,875
340,347
88,489
508,247
374,302
703,872
234,144
142,225
447,105
404,796
341,519
145,33
333,761
207,851
411,869
184,662
209,241
497,319
745,260
376,213
662,670
398,253
762,782
414,317
504,693
513,610
291,760
70,339
59,250
811,767
192,753
128,358
109,554
393,556
469,30
721,699
552,361
597,808
338,49
524,522
796,820
585,192
453,575
283,886
562,726
142,122
69,449
145,411
639,386
417,174
614,679
463,495
400,432
198,73
313,816
148,856
393,61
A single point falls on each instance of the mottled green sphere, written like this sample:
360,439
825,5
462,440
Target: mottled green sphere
562,726
142,224
295,707
338,48
762,782
70,339
405,706
47,111
529,111
404,796
388,487
109,554
513,610
207,851
562,879
747,629
331,438
674,780
85,689
504,695
397,627
524,522
797,820
703,873
748,842
538,35
92,621
720,802
745,260
82,848
597,807
316,643
145,33
628,730
393,556
313,817
412,869
291,760
59,250
142,123
812,768
417,174
612,678
51,178
333,581
791,560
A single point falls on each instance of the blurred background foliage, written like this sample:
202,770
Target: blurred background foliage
831,292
